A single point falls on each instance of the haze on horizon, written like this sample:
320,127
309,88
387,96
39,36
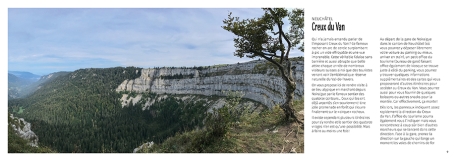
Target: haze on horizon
44,41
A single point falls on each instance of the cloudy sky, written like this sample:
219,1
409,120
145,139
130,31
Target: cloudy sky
43,41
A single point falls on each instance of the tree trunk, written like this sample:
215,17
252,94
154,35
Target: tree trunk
287,106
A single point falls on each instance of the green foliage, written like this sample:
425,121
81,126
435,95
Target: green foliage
263,68
246,135
296,18
177,76
264,36
219,65
299,58
16,144
217,126
20,110
220,120
81,112
24,89
132,95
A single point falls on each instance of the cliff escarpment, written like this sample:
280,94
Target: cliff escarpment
23,129
259,80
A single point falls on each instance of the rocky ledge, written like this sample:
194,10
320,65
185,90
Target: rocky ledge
23,129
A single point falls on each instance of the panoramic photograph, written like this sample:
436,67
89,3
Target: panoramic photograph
155,80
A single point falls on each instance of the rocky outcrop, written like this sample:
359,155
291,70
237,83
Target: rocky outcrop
143,146
23,129
258,80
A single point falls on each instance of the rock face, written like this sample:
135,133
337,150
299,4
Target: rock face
258,80
143,146
23,129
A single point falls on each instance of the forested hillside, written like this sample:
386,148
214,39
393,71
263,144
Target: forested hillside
20,87
14,84
18,82
81,112
84,111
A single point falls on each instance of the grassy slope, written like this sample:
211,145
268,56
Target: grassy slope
253,134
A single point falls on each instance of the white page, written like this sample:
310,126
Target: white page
372,22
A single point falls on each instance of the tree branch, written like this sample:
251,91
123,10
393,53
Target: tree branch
281,67
281,33
262,55
281,50
273,55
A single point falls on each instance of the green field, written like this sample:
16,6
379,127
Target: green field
20,110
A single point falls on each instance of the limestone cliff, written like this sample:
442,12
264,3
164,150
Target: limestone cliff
23,129
257,79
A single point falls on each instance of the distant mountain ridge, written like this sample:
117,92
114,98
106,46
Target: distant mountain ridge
25,75
14,84
21,84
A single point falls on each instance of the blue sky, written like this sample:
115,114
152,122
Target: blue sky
43,41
